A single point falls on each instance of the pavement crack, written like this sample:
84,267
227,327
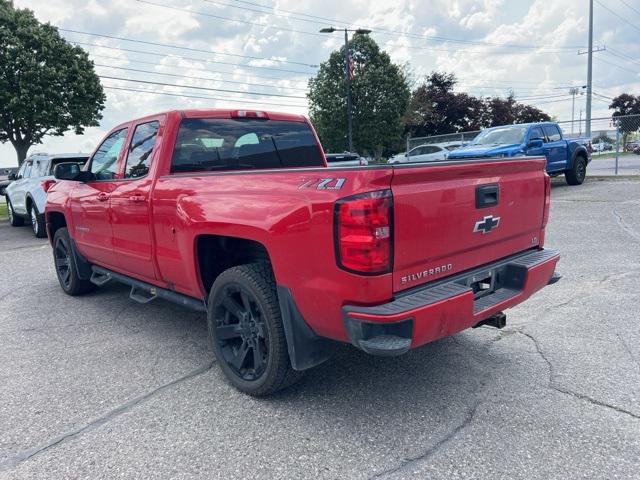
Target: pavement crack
408,462
566,391
17,459
624,225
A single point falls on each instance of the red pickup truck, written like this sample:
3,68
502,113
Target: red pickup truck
236,214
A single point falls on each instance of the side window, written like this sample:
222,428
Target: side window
536,134
20,173
416,151
40,168
27,169
552,133
104,161
430,150
140,151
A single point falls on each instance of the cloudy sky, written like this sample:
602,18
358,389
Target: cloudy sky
263,51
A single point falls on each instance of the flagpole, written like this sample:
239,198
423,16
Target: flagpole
347,78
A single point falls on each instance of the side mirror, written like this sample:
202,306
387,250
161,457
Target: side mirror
535,143
12,176
72,171
406,155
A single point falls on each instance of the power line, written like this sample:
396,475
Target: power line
615,64
632,8
195,59
617,15
324,20
165,45
149,82
168,94
615,53
136,61
200,78
286,29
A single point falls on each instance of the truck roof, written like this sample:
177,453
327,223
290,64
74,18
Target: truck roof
218,113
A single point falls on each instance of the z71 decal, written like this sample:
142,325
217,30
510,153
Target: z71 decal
324,183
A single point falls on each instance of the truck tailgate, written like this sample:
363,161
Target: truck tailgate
454,216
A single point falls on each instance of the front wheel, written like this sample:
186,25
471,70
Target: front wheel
66,269
14,220
246,331
577,173
37,222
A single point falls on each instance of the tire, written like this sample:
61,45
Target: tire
577,173
246,331
66,270
37,222
14,220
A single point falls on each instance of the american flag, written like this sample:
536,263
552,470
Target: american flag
350,67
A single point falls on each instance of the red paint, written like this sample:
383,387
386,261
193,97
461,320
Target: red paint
148,227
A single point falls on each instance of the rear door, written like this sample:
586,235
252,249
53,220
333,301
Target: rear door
453,217
131,206
90,202
555,148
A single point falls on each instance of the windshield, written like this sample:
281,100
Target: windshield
502,135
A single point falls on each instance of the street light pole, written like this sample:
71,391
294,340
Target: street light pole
347,79
589,70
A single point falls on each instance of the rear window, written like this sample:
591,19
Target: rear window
236,144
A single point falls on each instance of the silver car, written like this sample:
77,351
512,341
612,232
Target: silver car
26,194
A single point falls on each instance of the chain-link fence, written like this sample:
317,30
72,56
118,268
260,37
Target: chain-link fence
610,136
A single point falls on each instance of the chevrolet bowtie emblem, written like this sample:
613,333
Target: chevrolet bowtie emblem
487,224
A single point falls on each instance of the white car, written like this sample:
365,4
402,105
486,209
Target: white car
422,153
27,192
345,159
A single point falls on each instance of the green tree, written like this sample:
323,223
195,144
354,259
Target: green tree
624,105
380,95
435,109
47,86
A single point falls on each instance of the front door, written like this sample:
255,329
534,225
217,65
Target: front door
90,202
131,206
555,149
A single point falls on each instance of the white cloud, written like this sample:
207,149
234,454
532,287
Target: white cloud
482,70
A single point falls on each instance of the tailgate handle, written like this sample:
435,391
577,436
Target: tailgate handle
487,196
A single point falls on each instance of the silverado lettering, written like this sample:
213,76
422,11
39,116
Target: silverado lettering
234,213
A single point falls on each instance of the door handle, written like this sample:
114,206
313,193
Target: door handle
103,197
137,198
487,196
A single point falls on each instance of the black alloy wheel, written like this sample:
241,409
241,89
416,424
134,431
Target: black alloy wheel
241,332
62,258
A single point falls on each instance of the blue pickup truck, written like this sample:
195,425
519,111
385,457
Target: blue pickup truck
569,157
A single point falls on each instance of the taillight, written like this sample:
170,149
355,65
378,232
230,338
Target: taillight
547,200
364,232
47,184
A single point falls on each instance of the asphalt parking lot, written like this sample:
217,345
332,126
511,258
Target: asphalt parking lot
102,387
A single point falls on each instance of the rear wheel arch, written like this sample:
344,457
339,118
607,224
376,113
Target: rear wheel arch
217,253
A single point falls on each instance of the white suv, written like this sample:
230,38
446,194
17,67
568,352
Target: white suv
27,193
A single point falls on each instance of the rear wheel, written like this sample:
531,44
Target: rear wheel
65,266
37,222
14,220
577,173
246,331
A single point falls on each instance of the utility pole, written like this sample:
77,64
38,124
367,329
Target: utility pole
347,78
589,70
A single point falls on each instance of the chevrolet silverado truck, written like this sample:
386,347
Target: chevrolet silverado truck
236,214
564,156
